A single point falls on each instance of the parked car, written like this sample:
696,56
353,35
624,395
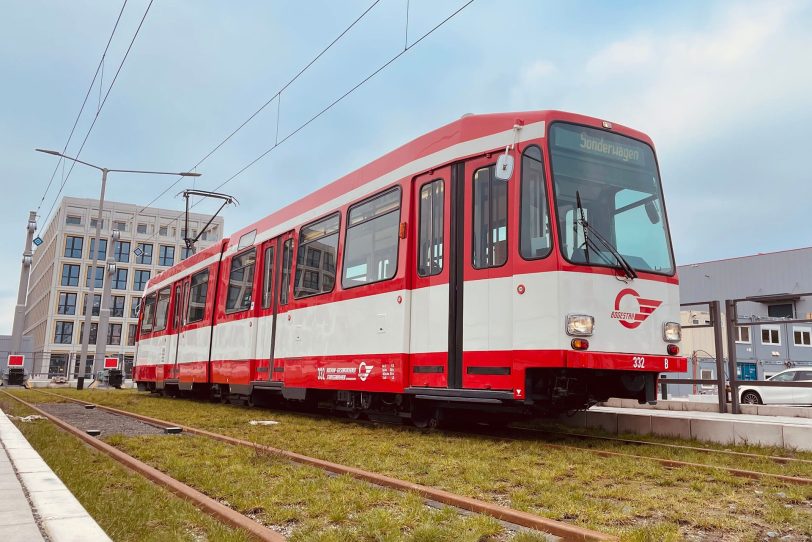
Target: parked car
779,395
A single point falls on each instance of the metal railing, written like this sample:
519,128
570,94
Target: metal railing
731,308
732,382
715,314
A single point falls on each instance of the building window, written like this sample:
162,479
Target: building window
114,334
64,333
185,252
117,307
163,231
316,242
96,305
197,297
802,336
534,238
67,303
143,254
770,335
430,233
371,246
135,304
121,251
241,281
783,310
70,274
166,256
743,334
99,282
58,365
140,278
94,221
119,280
73,220
94,330
141,228
102,255
131,334
489,219
119,225
73,246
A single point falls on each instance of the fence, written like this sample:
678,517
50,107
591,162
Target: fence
733,383
47,365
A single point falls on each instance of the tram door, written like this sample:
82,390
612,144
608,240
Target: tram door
180,296
430,343
276,262
487,309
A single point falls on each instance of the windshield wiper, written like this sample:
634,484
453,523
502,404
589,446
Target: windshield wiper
623,265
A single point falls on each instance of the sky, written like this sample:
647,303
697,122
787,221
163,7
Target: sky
723,89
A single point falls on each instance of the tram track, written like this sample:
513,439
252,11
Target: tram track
563,530
681,447
522,434
200,500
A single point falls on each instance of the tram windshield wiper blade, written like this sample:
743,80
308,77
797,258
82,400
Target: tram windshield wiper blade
623,265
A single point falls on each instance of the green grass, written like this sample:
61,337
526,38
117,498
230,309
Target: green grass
127,506
303,502
638,499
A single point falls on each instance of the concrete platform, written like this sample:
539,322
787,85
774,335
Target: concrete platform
781,431
34,500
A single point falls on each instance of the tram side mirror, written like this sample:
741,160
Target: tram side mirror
504,167
651,211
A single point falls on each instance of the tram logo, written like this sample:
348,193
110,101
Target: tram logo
629,319
364,370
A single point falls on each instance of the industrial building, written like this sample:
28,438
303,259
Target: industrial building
150,240
773,283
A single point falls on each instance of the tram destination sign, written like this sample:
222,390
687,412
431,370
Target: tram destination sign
598,143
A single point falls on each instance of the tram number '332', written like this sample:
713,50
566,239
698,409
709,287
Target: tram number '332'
639,362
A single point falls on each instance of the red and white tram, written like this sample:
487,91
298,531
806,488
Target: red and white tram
432,278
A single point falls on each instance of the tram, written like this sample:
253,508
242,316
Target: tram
503,263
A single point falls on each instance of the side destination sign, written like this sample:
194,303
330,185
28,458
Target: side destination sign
602,144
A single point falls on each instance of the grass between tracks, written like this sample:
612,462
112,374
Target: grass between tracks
303,503
127,506
638,499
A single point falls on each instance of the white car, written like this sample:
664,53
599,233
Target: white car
779,395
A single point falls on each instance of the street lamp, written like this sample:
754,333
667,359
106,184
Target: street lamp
101,334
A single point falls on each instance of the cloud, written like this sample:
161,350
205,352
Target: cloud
681,83
622,57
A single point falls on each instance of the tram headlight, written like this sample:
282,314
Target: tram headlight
672,332
580,325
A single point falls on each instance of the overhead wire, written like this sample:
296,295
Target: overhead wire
332,104
98,112
264,105
99,69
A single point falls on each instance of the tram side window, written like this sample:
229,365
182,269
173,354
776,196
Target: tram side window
489,220
267,278
241,281
371,246
430,233
534,240
197,296
162,309
149,314
287,263
316,258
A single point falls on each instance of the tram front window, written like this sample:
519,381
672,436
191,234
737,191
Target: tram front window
608,183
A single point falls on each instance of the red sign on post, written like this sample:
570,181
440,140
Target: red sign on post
15,360
111,363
